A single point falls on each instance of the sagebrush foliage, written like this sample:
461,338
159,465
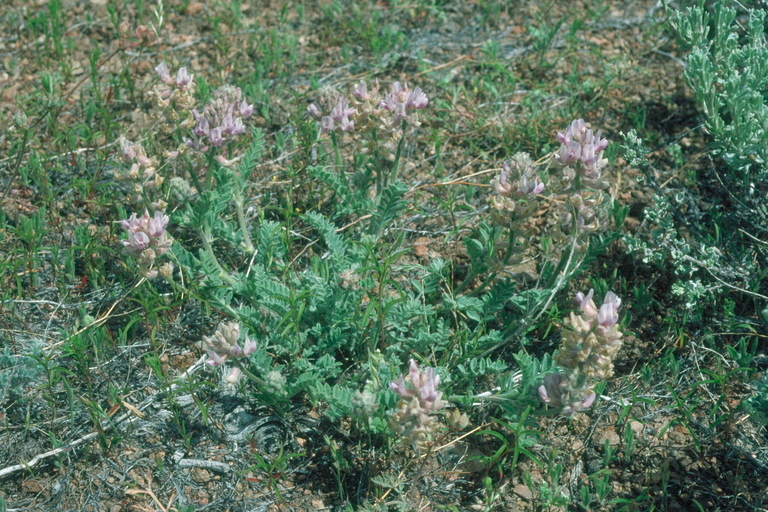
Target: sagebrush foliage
17,373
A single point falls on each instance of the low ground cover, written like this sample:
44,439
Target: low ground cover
382,256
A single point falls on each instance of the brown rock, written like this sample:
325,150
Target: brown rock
201,476
610,435
32,486
523,491
421,246
194,8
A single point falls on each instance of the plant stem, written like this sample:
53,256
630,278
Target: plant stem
376,161
209,168
336,152
337,155
564,275
195,179
396,166
238,198
205,238
248,373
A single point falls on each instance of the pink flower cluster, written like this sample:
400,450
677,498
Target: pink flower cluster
143,171
423,387
400,100
581,150
147,239
606,317
517,201
334,112
557,392
183,80
586,354
223,344
221,119
518,179
417,402
337,117
179,89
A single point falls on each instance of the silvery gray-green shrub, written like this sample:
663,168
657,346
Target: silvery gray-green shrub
17,373
727,70
757,405
728,74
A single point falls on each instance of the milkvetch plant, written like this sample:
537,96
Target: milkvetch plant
341,302
384,122
551,219
354,268
589,344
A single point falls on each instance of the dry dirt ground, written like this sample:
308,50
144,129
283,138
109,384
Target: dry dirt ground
139,461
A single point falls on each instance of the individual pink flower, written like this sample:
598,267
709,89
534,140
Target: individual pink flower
246,109
609,311
314,111
569,153
417,99
423,385
202,128
529,185
129,151
361,92
164,73
234,375
183,78
586,304
326,124
575,130
216,137
399,100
